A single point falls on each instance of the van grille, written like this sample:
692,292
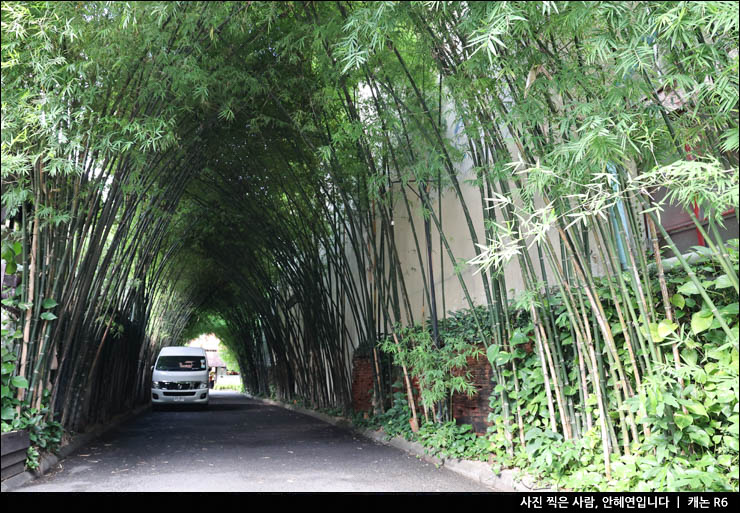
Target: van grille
178,393
179,385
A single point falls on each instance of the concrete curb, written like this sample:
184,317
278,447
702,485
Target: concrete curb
48,461
509,480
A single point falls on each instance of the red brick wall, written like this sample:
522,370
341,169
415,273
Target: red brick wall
475,410
465,410
362,384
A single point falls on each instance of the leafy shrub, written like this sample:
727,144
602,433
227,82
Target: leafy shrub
453,441
438,370
690,411
235,387
693,442
395,420
45,435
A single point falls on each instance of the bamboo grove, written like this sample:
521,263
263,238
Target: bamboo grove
245,167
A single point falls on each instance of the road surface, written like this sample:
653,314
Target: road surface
242,445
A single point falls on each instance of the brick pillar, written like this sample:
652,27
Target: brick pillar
475,410
362,383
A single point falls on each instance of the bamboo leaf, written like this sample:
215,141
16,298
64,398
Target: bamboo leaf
678,301
689,288
723,282
503,358
682,420
701,321
695,407
701,437
666,327
652,330
690,356
492,353
19,382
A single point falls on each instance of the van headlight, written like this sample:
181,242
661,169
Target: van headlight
203,385
155,384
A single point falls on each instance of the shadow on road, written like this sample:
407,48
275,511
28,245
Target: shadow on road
219,401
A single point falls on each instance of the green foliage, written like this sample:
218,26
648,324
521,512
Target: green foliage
12,253
44,434
439,369
453,441
703,181
10,383
236,388
694,425
395,420
227,355
231,165
447,440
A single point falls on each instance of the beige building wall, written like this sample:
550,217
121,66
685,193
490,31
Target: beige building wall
449,292
450,296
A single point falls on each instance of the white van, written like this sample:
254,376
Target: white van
180,376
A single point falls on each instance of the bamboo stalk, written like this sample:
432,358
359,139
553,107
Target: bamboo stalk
409,393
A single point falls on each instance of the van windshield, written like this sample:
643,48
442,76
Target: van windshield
181,363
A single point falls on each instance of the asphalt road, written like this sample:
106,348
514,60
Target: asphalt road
242,445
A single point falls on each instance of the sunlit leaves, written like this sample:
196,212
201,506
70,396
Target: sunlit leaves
731,140
489,37
701,321
678,301
682,420
367,31
704,181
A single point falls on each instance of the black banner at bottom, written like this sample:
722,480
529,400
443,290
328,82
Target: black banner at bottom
350,502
